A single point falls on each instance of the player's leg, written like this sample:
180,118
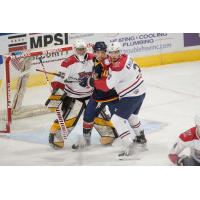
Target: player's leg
134,121
121,111
91,111
124,134
105,127
72,110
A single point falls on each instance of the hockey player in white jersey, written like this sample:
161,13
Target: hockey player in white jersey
126,78
190,139
114,51
67,90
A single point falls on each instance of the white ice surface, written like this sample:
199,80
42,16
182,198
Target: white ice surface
173,98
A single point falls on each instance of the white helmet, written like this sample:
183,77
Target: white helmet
80,44
197,123
114,46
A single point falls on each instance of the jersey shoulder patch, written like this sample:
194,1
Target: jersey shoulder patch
120,64
69,61
189,135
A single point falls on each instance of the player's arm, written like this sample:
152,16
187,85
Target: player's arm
105,84
116,74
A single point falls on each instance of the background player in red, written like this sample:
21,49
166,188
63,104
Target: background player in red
189,139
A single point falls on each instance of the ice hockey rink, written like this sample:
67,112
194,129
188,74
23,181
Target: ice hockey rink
172,100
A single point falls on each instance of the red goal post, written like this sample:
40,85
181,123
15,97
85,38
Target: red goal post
17,62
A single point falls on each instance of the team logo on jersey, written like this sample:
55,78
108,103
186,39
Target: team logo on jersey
106,62
84,74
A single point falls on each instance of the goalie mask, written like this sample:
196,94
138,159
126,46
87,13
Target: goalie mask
197,123
80,49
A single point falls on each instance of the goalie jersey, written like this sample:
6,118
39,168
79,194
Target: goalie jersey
71,72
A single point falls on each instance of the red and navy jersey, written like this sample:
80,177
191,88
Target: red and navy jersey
101,69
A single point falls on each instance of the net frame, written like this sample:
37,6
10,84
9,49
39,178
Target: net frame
16,59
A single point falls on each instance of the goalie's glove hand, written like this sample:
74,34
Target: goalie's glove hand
87,81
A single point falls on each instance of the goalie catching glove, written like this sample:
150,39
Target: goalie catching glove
54,100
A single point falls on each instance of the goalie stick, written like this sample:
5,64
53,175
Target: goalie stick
58,110
56,74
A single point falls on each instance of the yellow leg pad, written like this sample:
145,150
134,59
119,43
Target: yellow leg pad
106,140
103,122
59,144
68,123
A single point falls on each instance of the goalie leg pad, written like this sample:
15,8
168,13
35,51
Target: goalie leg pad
54,100
105,130
106,140
56,140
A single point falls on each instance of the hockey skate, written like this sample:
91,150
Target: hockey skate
140,139
126,152
82,142
56,140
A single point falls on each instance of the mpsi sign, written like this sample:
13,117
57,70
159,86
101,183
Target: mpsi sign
48,40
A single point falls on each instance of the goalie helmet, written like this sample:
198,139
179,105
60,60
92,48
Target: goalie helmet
197,123
80,44
80,48
114,46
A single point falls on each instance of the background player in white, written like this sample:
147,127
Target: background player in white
189,139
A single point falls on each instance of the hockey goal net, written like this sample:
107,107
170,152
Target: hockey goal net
20,84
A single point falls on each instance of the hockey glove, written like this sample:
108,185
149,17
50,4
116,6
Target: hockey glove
87,81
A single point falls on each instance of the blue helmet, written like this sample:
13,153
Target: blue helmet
100,46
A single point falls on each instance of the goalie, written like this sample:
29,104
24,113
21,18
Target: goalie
73,97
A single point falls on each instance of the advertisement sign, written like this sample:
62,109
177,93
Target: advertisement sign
136,44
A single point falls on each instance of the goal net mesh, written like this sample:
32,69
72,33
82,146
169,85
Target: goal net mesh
23,90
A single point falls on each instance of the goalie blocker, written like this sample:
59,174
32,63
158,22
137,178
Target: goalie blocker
72,109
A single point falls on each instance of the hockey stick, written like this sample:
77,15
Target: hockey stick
57,74
58,110
46,72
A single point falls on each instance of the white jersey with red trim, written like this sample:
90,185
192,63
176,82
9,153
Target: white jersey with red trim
188,139
72,71
125,76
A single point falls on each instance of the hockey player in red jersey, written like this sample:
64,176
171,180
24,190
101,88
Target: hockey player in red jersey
98,100
189,139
